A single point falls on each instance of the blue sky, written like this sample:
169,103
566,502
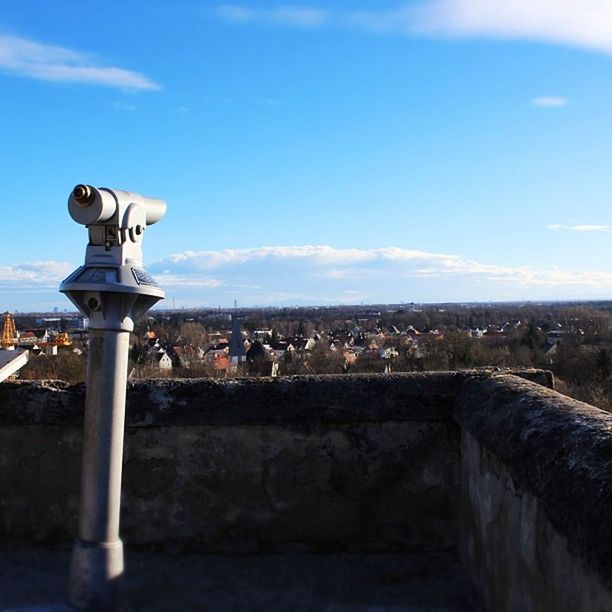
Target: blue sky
315,153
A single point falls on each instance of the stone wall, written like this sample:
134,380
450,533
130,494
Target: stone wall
329,463
536,497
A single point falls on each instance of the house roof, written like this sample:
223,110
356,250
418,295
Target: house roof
221,362
11,362
258,351
39,333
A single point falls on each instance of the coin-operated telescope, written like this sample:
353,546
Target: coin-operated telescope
112,289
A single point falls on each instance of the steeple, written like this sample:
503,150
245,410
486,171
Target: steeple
236,351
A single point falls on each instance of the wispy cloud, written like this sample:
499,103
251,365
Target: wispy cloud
122,106
321,274
550,101
577,23
320,255
34,274
580,227
303,17
168,279
269,102
27,58
284,264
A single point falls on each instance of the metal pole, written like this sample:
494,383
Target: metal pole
97,560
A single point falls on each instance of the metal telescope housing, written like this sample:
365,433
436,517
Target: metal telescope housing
116,221
88,205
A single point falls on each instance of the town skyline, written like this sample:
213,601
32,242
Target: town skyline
314,154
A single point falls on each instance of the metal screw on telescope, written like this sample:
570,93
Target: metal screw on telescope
113,290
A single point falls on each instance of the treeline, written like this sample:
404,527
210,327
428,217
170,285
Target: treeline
572,340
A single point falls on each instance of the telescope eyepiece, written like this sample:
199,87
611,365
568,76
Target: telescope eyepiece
84,195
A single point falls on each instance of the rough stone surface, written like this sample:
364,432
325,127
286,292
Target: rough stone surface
557,449
388,486
39,483
510,548
296,399
293,400
393,486
370,463
51,402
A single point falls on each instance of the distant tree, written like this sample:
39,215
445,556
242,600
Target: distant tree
519,356
322,360
139,354
603,366
259,360
574,364
533,336
458,348
66,366
193,334
37,368
70,367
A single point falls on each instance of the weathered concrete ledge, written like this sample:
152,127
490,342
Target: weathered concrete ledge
557,448
298,399
294,400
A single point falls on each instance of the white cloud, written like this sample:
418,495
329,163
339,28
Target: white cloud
577,23
168,279
31,59
355,265
321,274
282,268
550,101
36,273
302,17
318,254
580,228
